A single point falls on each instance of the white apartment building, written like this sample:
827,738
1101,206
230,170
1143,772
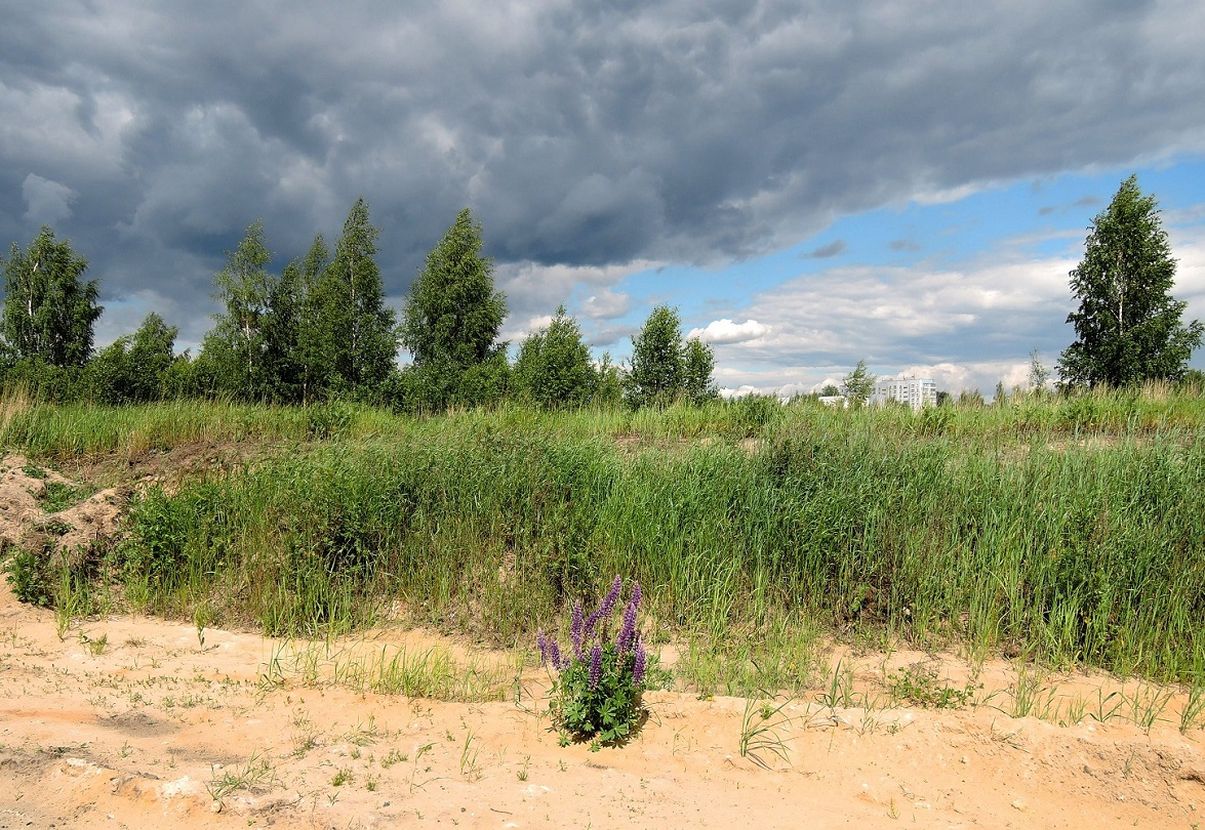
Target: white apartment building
915,392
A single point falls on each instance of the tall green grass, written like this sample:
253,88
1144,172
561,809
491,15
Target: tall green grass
1069,530
56,431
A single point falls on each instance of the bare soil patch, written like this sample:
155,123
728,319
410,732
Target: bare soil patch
26,522
169,466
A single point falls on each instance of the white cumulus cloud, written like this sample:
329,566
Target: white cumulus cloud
607,304
727,331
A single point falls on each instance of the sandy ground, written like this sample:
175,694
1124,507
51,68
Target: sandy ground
134,722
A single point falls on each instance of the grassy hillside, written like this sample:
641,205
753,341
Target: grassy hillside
1069,530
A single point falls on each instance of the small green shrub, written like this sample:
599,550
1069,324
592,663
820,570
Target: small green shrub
30,576
171,536
597,692
56,496
329,420
920,685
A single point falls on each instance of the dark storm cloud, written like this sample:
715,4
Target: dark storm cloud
585,135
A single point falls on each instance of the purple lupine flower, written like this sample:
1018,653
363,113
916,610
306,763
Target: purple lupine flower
607,607
595,665
627,634
639,663
550,651
554,656
576,631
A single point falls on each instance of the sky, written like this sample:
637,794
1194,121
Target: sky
905,182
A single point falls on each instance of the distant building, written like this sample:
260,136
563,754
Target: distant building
915,392
832,400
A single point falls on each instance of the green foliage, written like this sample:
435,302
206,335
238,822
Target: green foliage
1000,396
970,397
451,322
920,685
306,342
698,366
56,496
554,368
761,732
596,695
606,713
329,420
858,385
1128,326
1039,375
284,362
48,311
134,369
172,539
354,342
235,348
657,374
1193,382
485,383
608,383
45,381
1069,528
31,577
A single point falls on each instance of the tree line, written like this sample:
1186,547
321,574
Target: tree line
321,330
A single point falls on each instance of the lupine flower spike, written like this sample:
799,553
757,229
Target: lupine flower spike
627,632
639,663
595,666
606,608
576,630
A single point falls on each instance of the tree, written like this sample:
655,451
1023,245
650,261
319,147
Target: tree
356,334
608,389
49,311
554,368
657,372
282,334
134,367
454,312
235,348
1038,373
452,319
1128,326
858,385
316,343
698,366
829,390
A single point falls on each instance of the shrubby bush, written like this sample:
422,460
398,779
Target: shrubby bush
597,692
30,576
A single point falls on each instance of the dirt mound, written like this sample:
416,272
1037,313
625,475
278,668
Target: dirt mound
40,509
